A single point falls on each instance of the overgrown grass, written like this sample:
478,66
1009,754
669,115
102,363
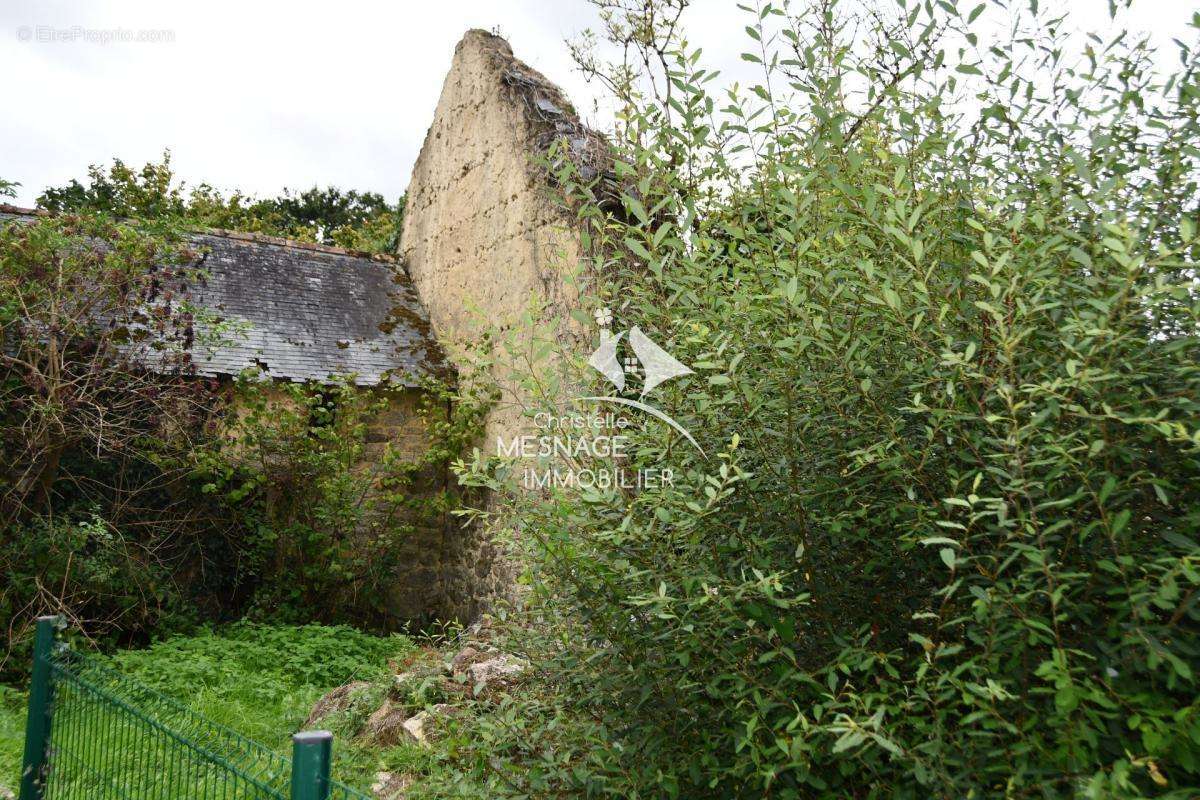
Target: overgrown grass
259,680
12,735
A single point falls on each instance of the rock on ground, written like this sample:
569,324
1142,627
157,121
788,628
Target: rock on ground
464,659
336,700
386,726
390,785
417,725
494,670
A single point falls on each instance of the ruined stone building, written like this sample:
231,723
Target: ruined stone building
481,232
481,239
485,238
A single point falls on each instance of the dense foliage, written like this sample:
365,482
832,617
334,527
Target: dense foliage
137,497
93,522
269,660
936,275
323,526
356,220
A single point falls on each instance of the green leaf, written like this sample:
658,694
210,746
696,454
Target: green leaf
939,540
948,557
638,248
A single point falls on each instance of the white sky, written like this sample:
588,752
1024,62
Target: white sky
266,94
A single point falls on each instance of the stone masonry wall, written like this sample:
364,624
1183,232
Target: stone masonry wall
442,573
482,238
421,587
481,234
417,592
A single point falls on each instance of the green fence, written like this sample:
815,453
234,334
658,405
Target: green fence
95,733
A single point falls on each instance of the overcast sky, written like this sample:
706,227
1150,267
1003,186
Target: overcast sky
262,95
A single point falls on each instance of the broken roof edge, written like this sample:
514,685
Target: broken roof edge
550,117
259,370
279,241
9,208
243,236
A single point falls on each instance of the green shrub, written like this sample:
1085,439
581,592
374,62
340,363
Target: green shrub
91,511
945,540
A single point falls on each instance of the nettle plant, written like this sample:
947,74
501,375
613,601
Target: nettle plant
935,271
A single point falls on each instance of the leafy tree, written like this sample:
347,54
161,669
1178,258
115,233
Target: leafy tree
357,220
98,399
944,542
334,213
148,193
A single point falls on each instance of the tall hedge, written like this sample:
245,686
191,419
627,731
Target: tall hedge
935,272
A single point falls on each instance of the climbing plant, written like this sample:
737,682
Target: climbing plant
325,500
122,505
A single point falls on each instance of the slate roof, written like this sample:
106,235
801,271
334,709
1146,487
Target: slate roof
304,312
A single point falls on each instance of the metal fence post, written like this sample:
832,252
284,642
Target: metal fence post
311,753
37,726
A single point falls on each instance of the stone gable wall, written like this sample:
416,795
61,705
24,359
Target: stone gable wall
483,236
